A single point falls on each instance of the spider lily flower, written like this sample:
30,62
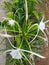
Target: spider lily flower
11,22
17,53
42,27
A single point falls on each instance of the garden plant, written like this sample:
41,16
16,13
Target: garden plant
25,24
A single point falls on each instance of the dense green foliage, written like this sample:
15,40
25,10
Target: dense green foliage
25,14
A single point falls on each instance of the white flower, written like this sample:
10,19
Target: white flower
15,53
11,22
42,26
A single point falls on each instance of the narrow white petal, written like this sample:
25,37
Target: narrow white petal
5,35
33,53
9,40
46,21
42,26
7,51
38,55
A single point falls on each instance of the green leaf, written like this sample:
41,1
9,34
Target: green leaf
36,14
18,41
17,25
32,28
8,5
15,1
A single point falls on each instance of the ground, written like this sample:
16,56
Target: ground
2,43
46,60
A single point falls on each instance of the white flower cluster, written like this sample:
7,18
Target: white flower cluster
17,53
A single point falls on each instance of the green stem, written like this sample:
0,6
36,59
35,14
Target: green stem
21,44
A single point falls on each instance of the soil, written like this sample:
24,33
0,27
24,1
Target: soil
2,44
46,60
45,10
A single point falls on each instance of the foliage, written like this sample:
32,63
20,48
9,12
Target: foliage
25,14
